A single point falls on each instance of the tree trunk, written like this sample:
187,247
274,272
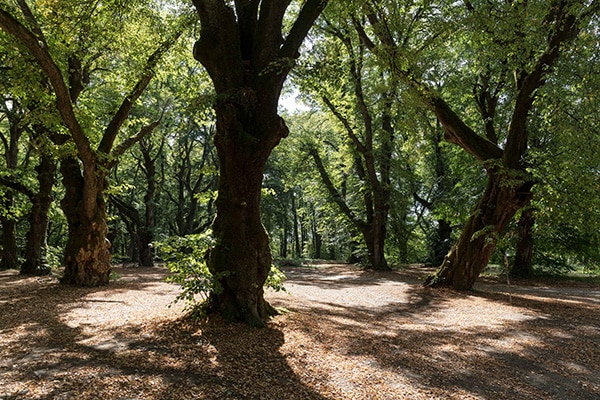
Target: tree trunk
471,254
523,266
10,251
374,236
35,247
441,242
87,256
317,238
145,248
241,258
242,49
297,246
10,259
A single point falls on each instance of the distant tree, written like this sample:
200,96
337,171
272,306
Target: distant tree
192,175
362,100
141,225
13,116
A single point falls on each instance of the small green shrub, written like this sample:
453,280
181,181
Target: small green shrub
185,258
275,279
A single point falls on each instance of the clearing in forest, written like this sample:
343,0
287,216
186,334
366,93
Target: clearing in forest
349,334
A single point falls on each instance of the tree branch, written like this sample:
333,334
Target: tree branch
112,130
335,195
18,186
127,143
219,48
309,13
40,52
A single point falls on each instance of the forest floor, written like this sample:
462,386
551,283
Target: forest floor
347,334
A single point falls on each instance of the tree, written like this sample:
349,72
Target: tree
362,100
529,49
248,49
35,262
193,174
87,256
563,229
10,145
141,226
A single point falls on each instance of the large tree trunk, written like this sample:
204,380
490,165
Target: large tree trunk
440,241
241,258
35,247
242,49
87,253
471,254
523,265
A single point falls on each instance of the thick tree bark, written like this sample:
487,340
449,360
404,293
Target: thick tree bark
523,264
471,254
87,253
241,258
35,247
242,49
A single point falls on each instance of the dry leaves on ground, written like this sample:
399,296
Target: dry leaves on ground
349,334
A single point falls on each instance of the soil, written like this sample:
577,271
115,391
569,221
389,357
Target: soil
344,334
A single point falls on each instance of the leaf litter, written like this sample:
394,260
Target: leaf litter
349,334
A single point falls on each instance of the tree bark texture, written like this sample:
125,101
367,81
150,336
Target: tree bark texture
470,255
242,256
242,47
35,247
87,254
523,263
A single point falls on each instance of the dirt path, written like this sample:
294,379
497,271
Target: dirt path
350,334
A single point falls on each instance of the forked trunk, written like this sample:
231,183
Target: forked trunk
87,253
243,49
471,254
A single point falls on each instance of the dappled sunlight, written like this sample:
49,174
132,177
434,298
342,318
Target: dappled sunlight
486,314
438,342
348,334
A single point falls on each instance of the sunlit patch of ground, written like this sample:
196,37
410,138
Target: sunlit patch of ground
350,334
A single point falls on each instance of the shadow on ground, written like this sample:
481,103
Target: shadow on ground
350,334
529,343
43,356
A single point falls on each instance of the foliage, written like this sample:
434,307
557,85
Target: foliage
468,52
185,258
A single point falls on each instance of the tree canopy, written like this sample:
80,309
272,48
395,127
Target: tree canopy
445,133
